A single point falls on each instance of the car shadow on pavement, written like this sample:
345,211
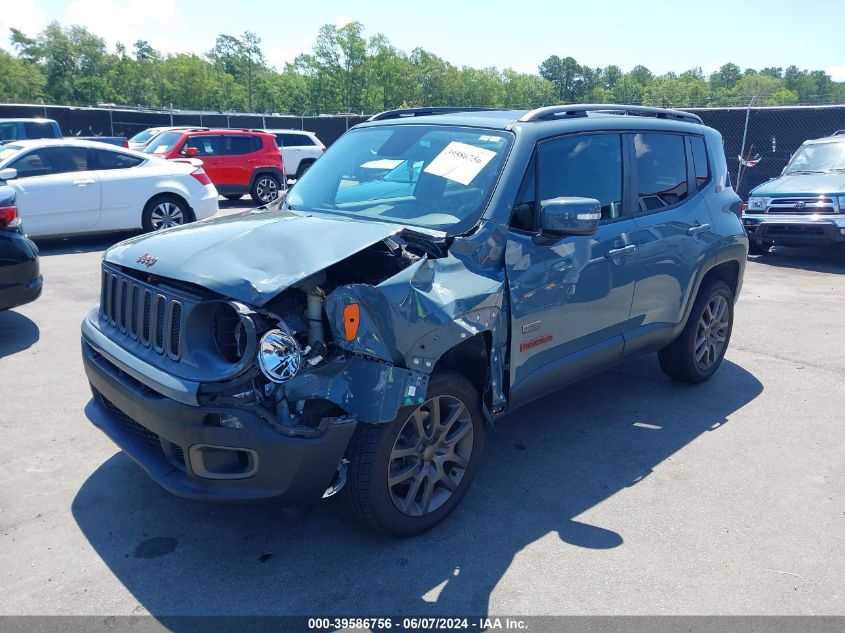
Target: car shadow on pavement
543,468
17,333
820,260
80,244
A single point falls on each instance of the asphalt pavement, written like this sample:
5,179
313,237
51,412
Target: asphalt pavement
625,494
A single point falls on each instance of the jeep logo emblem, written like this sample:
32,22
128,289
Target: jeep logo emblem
147,259
800,205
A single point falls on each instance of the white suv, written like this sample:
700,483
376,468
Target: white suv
299,148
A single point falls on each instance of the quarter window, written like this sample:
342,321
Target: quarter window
699,159
661,170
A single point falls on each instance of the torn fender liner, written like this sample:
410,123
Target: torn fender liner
369,390
251,257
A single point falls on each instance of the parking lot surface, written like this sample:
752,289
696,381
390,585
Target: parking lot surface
625,494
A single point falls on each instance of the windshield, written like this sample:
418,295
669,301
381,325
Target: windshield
146,135
163,143
7,151
436,177
818,157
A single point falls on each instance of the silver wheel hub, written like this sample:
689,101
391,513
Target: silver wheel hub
267,189
712,332
430,456
166,214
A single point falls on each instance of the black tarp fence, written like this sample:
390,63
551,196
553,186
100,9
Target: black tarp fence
773,132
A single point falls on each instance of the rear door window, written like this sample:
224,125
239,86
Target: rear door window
239,145
293,140
661,161
115,160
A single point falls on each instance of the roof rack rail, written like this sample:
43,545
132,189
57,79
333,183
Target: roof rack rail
580,109
412,112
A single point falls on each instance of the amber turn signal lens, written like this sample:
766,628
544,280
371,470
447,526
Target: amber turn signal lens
351,318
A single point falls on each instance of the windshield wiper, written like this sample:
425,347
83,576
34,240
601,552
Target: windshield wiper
805,171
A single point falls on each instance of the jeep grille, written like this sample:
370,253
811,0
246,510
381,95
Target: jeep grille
142,312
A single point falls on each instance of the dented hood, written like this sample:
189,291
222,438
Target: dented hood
252,256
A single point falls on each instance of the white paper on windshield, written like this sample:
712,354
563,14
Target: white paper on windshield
384,163
160,149
460,162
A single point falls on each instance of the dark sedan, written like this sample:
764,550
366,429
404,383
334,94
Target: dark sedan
20,277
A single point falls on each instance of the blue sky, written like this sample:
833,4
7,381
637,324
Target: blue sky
661,35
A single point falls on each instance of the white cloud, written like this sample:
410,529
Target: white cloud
837,72
26,16
342,20
123,21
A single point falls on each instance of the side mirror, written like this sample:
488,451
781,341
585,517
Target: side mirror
9,173
191,152
569,216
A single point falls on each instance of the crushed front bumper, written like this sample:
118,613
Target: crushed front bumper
795,230
184,452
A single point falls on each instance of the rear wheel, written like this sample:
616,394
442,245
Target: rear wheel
408,475
265,188
697,353
303,167
164,212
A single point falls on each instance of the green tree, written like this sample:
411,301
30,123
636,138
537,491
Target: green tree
20,82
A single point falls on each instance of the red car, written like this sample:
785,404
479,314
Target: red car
237,161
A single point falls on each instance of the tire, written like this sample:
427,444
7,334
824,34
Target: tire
377,450
163,212
303,167
697,353
232,197
265,188
759,248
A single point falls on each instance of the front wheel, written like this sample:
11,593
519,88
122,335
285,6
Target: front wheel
265,189
407,475
697,353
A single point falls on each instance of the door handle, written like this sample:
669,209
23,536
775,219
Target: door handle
83,182
698,228
618,254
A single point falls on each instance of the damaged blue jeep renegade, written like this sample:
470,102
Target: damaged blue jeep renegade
434,270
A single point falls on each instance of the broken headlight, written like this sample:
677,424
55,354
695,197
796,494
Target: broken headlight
279,355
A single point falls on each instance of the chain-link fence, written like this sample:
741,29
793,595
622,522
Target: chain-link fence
773,132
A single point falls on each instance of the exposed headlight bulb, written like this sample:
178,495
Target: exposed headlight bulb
279,355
